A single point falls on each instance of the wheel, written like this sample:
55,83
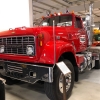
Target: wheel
54,90
97,64
9,81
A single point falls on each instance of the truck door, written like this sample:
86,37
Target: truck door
80,34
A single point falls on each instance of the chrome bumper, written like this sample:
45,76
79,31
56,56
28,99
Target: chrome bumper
30,73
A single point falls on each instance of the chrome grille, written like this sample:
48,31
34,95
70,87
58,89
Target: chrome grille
15,69
17,45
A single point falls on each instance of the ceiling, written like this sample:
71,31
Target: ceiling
80,7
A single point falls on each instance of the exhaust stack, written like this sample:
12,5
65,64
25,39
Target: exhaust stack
89,24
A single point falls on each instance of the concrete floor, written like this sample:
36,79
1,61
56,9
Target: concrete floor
88,88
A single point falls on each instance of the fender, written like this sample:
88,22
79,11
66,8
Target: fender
47,55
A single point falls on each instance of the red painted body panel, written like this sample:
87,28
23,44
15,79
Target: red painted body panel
48,51
69,41
79,59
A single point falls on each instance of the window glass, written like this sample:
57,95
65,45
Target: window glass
44,22
56,20
59,21
78,23
65,21
97,37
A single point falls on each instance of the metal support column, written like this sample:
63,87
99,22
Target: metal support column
91,22
31,12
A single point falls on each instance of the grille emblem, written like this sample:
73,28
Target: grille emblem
13,32
23,65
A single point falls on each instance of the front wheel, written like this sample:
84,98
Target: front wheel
97,64
54,90
10,81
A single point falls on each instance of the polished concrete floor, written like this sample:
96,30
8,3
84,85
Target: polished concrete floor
88,88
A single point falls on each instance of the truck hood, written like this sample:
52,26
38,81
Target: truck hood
29,31
20,31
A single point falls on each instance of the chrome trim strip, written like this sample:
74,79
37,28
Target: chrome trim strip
51,74
28,64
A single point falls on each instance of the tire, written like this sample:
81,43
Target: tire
2,91
97,64
10,81
52,89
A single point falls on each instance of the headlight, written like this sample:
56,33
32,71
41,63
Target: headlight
30,50
2,49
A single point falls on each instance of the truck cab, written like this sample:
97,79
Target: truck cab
70,28
30,54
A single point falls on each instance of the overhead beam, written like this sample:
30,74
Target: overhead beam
47,4
96,19
60,3
95,14
31,16
75,8
68,2
81,13
37,11
39,7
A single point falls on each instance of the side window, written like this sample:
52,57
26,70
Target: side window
65,20
44,22
78,23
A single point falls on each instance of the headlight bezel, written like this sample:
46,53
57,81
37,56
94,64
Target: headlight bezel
31,52
2,48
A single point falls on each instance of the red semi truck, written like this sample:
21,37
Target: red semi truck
27,54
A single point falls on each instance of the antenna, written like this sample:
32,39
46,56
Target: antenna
54,39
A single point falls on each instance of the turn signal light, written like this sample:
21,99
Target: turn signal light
40,38
51,15
55,14
40,43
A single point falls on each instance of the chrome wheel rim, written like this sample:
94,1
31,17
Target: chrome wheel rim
68,82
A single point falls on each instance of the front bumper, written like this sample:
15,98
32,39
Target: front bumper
30,73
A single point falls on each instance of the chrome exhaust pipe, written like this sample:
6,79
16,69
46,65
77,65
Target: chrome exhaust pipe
89,25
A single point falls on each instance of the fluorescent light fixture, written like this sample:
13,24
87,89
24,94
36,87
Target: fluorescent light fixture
93,25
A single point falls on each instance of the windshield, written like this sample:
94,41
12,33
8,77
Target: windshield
59,21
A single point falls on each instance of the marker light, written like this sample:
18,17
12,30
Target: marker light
55,14
51,15
72,12
59,13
